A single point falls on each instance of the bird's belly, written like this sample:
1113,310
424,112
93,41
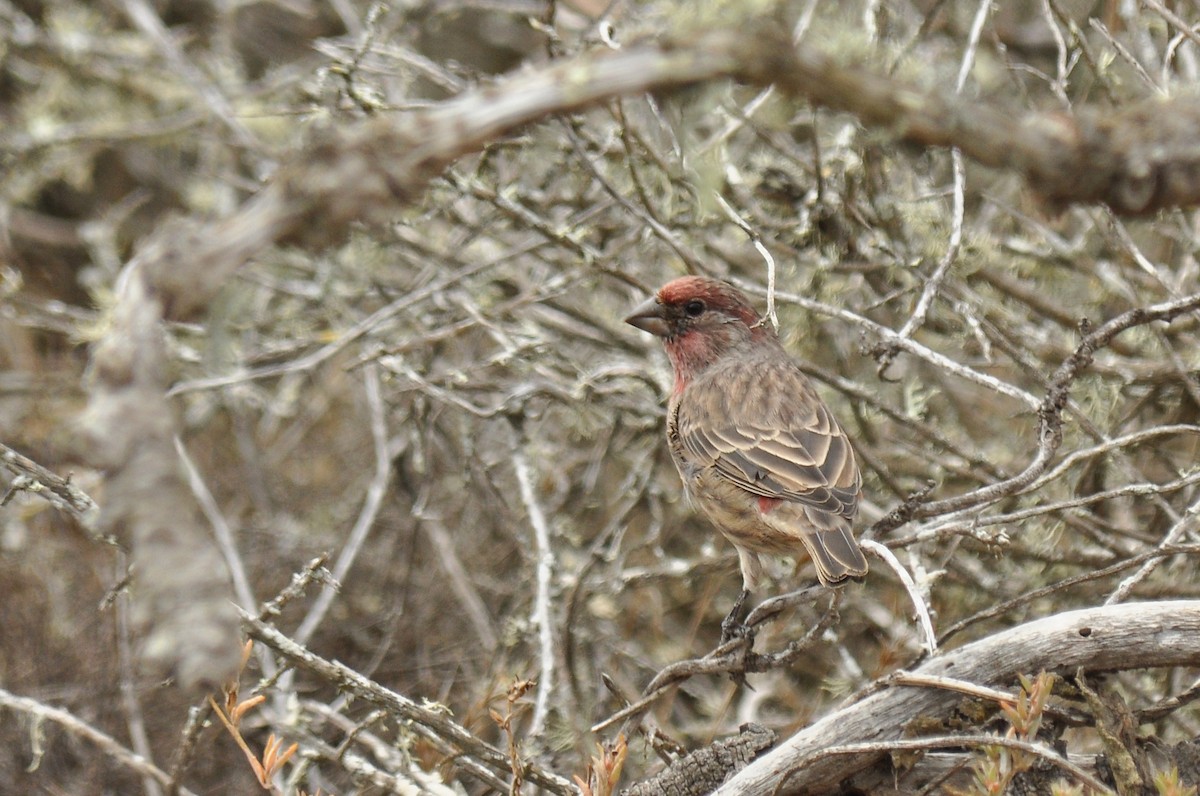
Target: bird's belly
738,515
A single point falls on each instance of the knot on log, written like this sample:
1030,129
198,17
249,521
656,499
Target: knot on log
705,770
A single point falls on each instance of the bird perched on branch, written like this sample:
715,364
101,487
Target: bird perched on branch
756,447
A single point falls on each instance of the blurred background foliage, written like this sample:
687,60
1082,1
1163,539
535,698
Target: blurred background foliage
489,314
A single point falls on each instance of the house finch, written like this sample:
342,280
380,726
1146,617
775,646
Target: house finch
756,447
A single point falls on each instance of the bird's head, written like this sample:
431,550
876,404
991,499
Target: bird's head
700,320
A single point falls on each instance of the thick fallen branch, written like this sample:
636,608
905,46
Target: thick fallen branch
703,770
1113,638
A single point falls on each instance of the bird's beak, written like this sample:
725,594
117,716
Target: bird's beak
648,316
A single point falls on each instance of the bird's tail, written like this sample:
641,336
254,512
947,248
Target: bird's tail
835,553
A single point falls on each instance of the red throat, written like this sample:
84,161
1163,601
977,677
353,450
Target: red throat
689,354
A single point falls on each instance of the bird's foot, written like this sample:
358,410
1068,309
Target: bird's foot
734,628
734,625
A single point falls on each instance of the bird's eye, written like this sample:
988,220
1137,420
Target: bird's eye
694,308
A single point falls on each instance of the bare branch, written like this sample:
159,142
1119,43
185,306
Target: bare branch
425,720
544,565
1118,637
61,493
38,712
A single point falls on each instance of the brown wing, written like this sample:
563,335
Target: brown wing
771,434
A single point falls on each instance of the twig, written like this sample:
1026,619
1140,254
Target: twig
954,741
756,241
326,352
376,491
105,743
914,594
772,606
934,283
135,720
372,502
314,570
221,530
1126,55
544,572
911,679
889,338
1125,441
719,661
733,656
189,739
966,522
1185,28
999,609
62,494
472,604
1169,705
1185,523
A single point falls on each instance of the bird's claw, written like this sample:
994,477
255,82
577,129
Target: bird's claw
735,630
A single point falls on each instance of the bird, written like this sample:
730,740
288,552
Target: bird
757,449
